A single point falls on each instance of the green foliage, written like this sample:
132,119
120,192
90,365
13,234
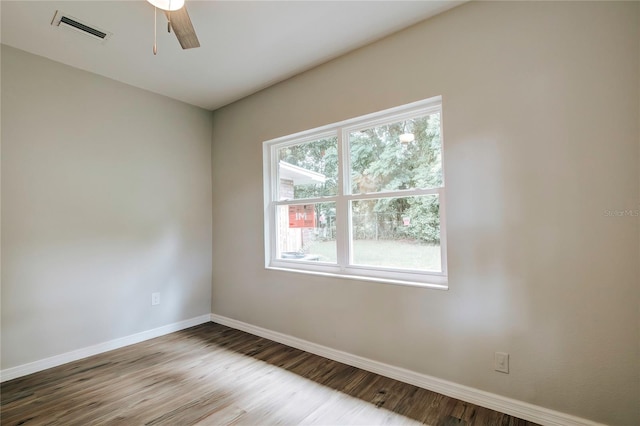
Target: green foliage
319,156
380,162
424,214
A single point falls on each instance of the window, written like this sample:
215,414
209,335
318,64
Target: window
361,199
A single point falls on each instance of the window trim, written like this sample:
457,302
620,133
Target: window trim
421,278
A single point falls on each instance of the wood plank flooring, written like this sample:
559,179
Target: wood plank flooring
214,375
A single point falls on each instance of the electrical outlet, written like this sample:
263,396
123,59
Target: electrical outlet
155,299
501,362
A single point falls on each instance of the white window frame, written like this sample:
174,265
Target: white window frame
343,269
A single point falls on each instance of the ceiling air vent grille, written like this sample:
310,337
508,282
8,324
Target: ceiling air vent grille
61,19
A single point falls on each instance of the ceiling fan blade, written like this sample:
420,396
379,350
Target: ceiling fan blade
182,26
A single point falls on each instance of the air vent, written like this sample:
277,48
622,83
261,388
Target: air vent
63,20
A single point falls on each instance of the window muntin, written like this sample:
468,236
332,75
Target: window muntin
374,206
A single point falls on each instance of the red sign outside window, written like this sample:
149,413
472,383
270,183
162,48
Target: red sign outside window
302,216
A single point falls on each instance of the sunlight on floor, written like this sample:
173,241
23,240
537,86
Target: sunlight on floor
298,401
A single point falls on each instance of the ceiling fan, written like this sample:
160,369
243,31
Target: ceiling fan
178,21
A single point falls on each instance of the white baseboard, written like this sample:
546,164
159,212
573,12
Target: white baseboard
492,401
54,361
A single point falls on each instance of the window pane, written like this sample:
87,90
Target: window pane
397,233
402,155
307,232
309,169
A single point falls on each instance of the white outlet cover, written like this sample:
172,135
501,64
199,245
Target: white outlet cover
501,362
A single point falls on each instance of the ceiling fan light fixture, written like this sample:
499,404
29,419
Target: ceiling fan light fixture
169,5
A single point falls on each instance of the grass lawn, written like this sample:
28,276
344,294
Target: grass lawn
391,253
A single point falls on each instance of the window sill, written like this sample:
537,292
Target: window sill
392,281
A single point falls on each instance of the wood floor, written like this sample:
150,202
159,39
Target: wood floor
215,375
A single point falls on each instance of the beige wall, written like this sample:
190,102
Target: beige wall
106,198
541,133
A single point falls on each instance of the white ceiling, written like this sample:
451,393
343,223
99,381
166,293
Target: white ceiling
246,45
